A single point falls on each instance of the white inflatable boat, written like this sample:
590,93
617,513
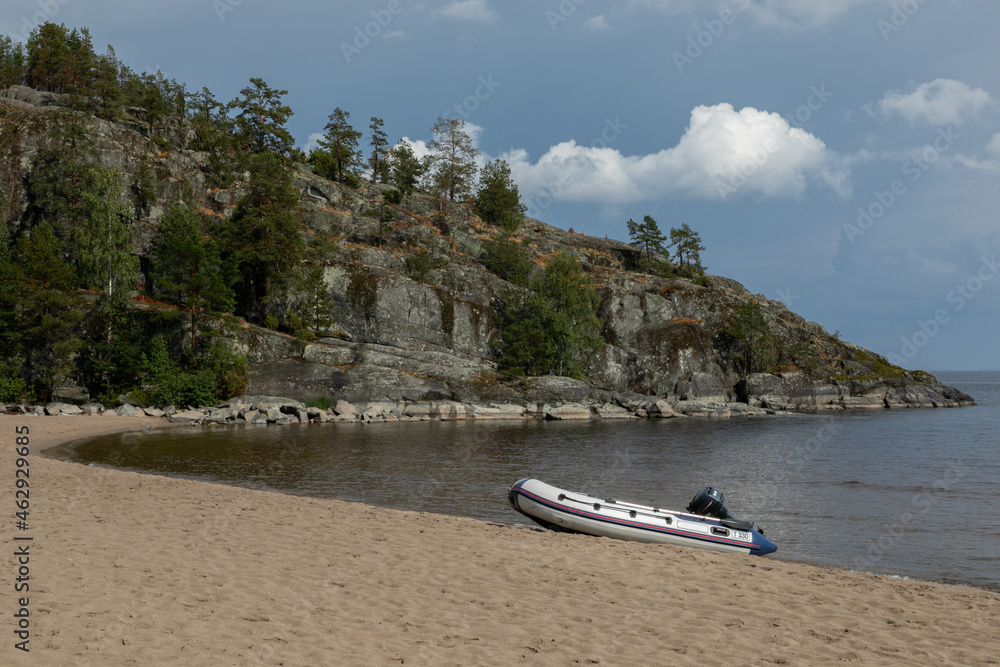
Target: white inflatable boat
706,525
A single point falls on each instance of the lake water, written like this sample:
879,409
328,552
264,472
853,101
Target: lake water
911,492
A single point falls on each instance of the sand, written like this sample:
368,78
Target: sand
129,569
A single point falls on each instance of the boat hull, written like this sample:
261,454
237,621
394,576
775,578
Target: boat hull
567,511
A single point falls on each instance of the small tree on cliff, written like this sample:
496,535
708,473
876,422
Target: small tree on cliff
452,162
377,162
405,168
260,123
11,62
555,329
498,201
755,348
687,249
338,153
647,235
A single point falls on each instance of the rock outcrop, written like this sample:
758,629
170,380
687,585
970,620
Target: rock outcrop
406,339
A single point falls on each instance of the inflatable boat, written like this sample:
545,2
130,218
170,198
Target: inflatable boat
706,524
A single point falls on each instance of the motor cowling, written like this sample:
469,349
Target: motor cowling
710,502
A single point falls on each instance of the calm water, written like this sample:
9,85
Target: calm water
912,493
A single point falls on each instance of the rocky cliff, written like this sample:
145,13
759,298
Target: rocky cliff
400,338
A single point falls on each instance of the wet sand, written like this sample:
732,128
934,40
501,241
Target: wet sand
130,569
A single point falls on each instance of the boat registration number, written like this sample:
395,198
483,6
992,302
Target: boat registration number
742,535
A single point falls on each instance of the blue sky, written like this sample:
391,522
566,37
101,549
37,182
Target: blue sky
843,157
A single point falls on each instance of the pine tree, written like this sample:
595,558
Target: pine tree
143,190
647,235
81,65
47,58
11,62
110,362
152,101
106,89
263,238
187,268
204,109
405,168
214,133
688,248
12,385
338,154
260,123
44,312
62,176
319,304
498,201
377,163
452,162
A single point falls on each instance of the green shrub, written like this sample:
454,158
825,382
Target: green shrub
294,325
755,346
12,385
508,259
702,279
321,402
554,329
421,263
221,373
229,370
394,197
134,397
351,180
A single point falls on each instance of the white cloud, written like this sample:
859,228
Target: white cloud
467,10
313,142
785,14
418,146
723,153
933,266
796,14
597,23
939,102
973,163
395,34
666,6
994,145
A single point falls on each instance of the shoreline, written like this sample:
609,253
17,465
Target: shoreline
48,449
260,409
144,568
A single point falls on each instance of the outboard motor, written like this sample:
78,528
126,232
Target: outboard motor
711,502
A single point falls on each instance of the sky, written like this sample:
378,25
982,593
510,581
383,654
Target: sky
840,156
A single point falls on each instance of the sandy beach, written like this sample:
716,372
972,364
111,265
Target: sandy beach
129,569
